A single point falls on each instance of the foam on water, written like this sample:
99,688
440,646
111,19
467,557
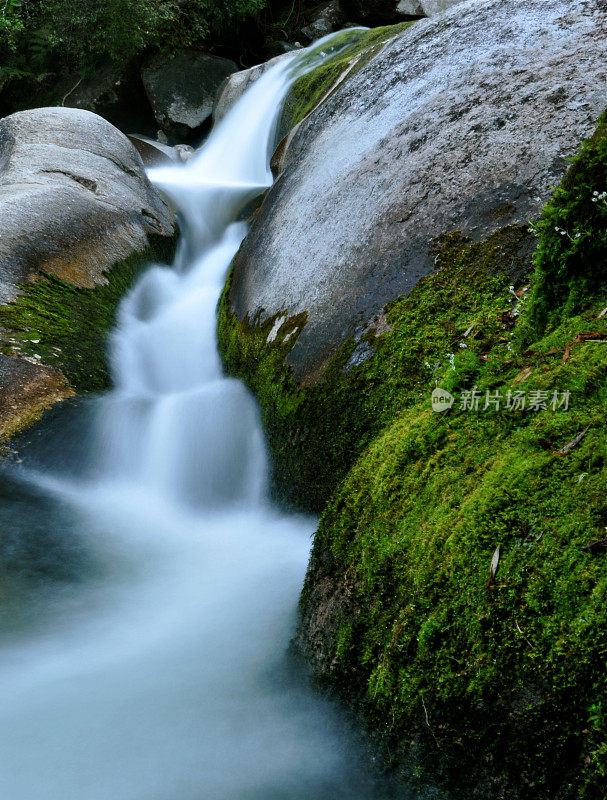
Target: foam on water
157,670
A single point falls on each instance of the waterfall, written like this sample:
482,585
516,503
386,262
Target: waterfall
157,669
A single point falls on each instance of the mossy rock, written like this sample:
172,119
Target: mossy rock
495,685
66,327
571,258
352,48
317,430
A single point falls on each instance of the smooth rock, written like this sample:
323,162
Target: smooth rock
183,90
235,85
410,8
327,19
74,198
462,122
184,152
153,153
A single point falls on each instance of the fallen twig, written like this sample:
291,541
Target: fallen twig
575,441
495,562
599,546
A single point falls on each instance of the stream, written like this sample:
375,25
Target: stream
150,588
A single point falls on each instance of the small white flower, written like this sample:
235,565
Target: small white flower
463,344
596,194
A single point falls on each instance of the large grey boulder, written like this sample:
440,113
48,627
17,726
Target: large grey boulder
235,85
410,8
183,90
463,122
74,201
74,198
328,18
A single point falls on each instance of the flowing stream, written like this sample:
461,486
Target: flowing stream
145,629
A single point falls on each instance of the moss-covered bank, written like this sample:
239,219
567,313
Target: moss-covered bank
496,685
317,431
66,327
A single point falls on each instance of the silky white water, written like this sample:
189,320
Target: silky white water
144,636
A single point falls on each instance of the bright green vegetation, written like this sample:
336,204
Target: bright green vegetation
354,48
317,431
570,258
498,688
512,676
67,326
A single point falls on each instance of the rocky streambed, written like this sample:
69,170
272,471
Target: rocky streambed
434,222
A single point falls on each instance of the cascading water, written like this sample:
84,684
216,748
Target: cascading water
155,669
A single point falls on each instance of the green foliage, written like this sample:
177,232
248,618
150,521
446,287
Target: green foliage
511,675
571,258
59,35
67,326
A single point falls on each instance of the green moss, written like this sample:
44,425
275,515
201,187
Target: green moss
354,47
67,326
571,258
512,675
499,689
317,431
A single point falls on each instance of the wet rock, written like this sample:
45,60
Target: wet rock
152,152
183,90
156,153
184,152
74,198
454,125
